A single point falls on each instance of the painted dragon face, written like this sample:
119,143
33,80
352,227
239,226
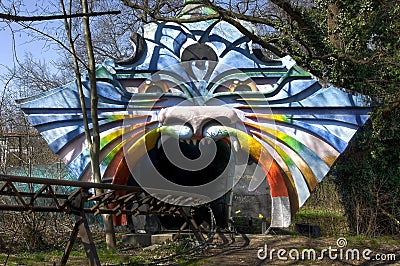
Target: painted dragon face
195,142
192,108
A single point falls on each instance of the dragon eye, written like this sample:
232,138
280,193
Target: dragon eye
153,89
242,87
159,87
236,86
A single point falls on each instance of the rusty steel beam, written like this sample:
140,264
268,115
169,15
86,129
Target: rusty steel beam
68,183
23,208
121,204
112,201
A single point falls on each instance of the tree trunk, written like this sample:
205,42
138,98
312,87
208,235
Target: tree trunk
92,138
95,148
333,28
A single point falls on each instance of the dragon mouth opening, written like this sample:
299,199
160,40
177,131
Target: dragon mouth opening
191,150
186,169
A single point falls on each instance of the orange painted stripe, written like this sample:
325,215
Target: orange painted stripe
272,170
135,152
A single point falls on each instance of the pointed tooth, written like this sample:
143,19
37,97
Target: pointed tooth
202,142
236,145
159,143
187,141
162,140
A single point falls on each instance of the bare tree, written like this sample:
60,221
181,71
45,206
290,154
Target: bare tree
92,136
82,53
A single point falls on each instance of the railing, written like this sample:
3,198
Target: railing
116,199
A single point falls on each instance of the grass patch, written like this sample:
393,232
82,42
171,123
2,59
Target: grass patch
247,225
331,222
373,242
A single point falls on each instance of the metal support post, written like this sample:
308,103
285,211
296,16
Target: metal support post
81,228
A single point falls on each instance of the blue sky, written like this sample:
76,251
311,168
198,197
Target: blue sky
17,45
23,44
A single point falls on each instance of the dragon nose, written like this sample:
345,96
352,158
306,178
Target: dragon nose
198,118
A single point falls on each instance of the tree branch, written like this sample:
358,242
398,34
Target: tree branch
186,20
77,75
294,14
226,15
259,20
349,57
51,38
254,37
43,18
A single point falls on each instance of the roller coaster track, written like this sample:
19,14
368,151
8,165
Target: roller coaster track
43,196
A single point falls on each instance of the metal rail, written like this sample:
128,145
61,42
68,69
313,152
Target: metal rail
42,196
67,183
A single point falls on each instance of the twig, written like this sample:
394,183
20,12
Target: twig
16,18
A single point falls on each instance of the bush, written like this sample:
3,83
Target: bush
368,177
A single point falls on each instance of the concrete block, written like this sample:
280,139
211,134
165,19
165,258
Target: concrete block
161,238
308,229
136,240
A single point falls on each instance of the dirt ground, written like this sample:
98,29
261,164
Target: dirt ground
299,250
294,250
253,249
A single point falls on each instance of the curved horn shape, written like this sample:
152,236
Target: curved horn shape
139,46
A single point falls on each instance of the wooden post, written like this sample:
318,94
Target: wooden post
88,244
71,242
189,220
81,228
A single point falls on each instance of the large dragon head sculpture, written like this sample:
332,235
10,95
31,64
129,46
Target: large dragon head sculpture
187,113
